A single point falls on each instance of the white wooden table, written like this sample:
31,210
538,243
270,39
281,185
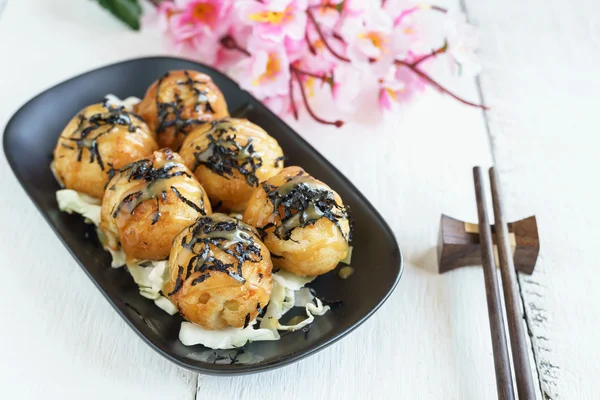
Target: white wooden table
59,339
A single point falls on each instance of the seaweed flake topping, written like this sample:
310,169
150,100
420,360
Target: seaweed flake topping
90,129
303,201
230,235
279,161
224,154
170,113
158,184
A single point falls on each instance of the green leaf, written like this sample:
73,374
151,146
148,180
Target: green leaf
128,11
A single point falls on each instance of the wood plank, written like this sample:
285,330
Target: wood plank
540,77
60,339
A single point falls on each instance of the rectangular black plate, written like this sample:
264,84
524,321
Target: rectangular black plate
30,138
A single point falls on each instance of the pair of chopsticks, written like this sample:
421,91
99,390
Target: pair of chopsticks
514,313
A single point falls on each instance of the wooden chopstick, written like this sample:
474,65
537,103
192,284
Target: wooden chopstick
514,312
504,384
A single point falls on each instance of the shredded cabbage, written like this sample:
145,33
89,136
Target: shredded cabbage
165,304
228,338
71,201
348,259
288,292
128,103
292,281
150,276
118,257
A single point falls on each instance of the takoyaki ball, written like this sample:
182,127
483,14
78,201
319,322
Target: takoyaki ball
306,226
231,157
148,202
178,102
101,137
220,273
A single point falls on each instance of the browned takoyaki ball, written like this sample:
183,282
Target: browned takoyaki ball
178,102
219,273
231,157
306,225
100,137
148,202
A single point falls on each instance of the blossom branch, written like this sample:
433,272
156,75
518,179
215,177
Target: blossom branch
436,85
434,53
337,123
311,48
440,9
324,78
312,19
230,43
328,5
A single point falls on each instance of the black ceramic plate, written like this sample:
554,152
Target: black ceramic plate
30,138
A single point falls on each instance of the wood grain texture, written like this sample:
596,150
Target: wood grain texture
540,78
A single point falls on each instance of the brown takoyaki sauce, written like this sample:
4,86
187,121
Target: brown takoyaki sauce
98,125
232,236
157,178
303,202
169,113
223,154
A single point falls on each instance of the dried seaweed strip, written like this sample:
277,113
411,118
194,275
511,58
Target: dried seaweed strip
303,204
223,155
231,236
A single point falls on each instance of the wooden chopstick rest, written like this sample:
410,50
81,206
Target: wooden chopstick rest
459,245
516,247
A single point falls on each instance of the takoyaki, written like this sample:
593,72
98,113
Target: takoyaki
147,203
304,223
178,102
219,273
98,140
231,157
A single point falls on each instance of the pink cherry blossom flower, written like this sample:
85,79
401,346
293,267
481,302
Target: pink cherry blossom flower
196,26
162,16
322,56
388,97
295,49
326,12
462,44
266,71
390,91
400,10
368,37
411,82
324,50
204,16
274,19
353,8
